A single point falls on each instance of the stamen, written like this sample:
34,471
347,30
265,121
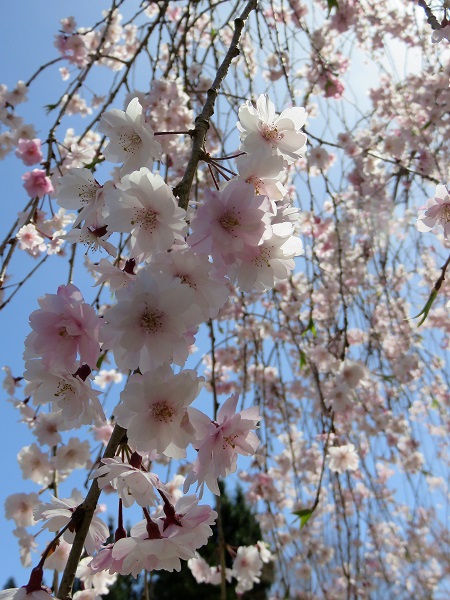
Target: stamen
151,321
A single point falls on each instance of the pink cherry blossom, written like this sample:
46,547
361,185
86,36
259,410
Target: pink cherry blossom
63,328
132,483
27,545
227,437
264,171
58,514
436,211
247,567
31,240
155,411
211,291
71,395
113,276
19,507
135,554
29,151
269,263
100,582
151,322
145,206
230,222
78,190
37,183
35,465
343,458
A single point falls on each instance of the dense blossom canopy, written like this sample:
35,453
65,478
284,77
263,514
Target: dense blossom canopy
248,216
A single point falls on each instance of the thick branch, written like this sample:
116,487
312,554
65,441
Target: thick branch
87,509
183,189
431,19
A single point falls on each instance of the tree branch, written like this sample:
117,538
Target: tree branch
183,189
87,508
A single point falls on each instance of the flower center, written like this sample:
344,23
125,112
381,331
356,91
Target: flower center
229,441
256,182
262,260
444,217
64,391
86,193
229,220
146,218
270,133
162,412
151,320
129,141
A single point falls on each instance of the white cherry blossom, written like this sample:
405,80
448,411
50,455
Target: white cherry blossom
281,133
131,139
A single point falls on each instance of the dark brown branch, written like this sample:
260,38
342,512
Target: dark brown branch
183,189
87,510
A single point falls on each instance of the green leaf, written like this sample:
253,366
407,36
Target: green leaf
304,515
100,360
311,327
49,107
91,166
302,359
332,4
426,309
435,404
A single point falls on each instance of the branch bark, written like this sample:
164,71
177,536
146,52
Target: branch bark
183,189
88,509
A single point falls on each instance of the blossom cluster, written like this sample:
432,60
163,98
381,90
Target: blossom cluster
176,276
349,466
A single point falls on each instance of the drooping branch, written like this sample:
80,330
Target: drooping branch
183,189
86,510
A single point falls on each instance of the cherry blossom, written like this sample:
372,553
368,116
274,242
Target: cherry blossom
37,184
436,212
59,513
78,190
155,410
72,395
100,582
131,139
29,151
150,323
64,327
145,206
227,437
261,125
264,171
247,567
269,263
131,482
30,239
230,223
343,458
20,508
